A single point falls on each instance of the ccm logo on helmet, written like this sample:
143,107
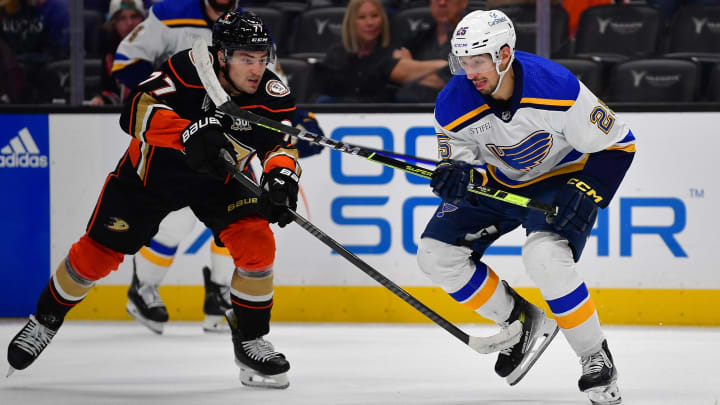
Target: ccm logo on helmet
197,125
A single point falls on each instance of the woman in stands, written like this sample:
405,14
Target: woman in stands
123,17
362,68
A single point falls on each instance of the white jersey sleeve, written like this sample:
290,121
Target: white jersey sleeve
590,125
150,41
452,147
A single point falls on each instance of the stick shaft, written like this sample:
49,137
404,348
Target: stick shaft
351,257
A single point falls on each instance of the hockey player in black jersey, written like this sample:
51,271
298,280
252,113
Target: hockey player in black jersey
173,162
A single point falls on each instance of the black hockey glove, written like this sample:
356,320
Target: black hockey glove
203,140
279,193
577,203
450,180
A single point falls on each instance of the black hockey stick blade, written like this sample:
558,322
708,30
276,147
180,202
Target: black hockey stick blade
483,344
221,99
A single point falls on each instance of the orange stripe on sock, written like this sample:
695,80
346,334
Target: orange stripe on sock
485,292
52,291
214,248
577,317
248,306
155,259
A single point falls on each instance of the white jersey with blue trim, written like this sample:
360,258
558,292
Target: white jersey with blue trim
549,127
171,26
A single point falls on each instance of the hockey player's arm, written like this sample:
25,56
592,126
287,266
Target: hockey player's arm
138,53
148,116
281,171
593,128
451,147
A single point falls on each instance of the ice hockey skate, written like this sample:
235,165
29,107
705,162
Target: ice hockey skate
217,301
599,376
260,365
27,345
145,305
537,333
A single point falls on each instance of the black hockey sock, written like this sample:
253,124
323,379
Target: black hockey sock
253,317
52,307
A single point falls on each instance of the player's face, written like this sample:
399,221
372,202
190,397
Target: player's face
447,11
125,21
246,69
368,23
480,69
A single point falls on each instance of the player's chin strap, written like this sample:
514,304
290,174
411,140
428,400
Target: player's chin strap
507,336
502,74
226,71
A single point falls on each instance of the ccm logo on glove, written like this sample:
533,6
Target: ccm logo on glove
199,124
586,188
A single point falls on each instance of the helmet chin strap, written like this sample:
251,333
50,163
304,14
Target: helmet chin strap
502,74
226,72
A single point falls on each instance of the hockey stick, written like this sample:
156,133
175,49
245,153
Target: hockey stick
222,100
501,340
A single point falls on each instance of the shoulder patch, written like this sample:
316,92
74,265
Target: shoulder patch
276,88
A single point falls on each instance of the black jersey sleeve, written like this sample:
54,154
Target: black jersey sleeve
156,111
275,101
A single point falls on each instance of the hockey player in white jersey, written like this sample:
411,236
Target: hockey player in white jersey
172,26
514,120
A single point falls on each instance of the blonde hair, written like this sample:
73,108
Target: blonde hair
349,33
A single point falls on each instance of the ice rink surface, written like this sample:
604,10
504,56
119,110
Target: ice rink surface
123,363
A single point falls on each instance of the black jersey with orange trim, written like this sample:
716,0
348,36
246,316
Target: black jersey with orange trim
162,106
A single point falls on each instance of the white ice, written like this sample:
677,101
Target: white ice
123,363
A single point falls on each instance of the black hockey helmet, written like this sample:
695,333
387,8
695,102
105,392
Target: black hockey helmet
242,30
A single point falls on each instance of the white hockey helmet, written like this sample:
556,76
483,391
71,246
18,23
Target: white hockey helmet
478,33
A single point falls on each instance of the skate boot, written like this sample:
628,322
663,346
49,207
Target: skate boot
537,333
260,365
27,345
599,376
217,301
145,305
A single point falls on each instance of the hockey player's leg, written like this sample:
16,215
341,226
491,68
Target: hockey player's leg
87,262
151,264
217,289
514,362
475,285
549,262
252,245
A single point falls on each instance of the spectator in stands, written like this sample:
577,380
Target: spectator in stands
428,44
574,8
362,68
123,17
36,33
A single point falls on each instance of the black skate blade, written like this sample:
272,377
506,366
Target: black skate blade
154,326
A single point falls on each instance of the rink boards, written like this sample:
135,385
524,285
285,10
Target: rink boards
651,258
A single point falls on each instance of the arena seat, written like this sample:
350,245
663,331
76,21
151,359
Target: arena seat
654,80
